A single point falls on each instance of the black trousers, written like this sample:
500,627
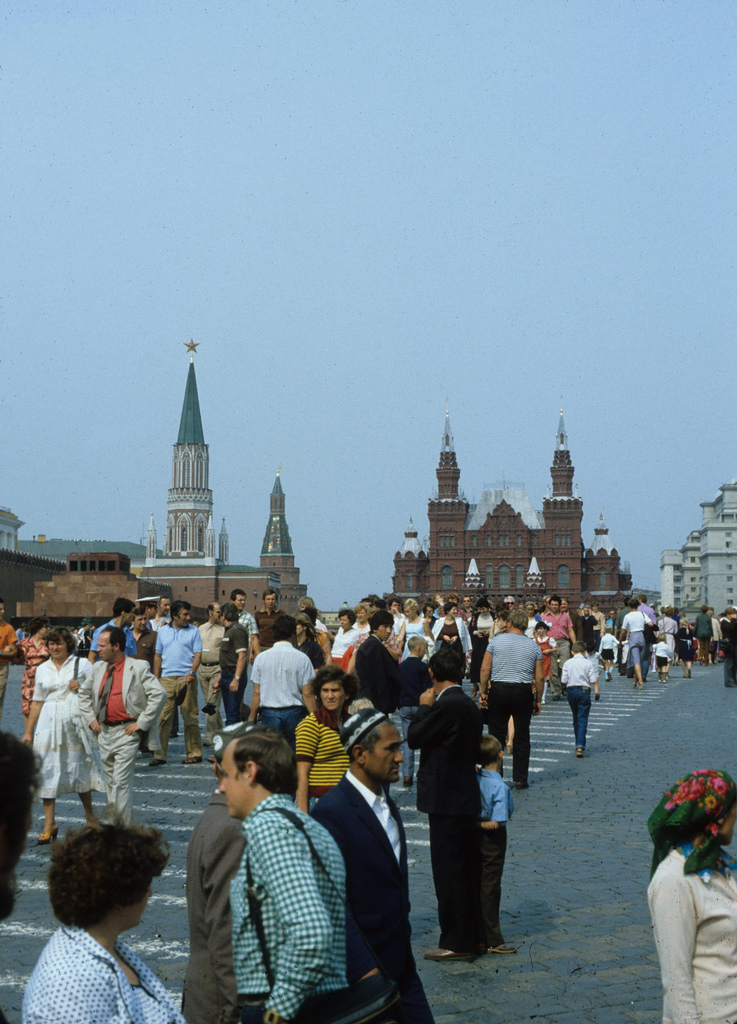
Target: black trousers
454,853
513,699
493,851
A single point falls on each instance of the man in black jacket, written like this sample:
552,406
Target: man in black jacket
447,729
377,668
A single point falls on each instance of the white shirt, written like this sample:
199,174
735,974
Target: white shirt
281,672
578,671
156,624
609,642
344,638
663,651
695,925
378,804
634,622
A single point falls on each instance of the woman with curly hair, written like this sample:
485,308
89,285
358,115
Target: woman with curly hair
693,898
65,746
321,759
99,885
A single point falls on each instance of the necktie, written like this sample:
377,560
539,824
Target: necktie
106,688
390,827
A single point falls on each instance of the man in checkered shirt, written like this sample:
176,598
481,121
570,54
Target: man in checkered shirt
303,915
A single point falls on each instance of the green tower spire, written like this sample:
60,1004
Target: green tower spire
190,425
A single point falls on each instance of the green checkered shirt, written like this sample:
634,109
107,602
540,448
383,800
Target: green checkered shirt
303,916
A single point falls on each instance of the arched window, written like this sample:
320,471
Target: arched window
520,572
489,577
184,538
488,542
409,581
185,473
199,540
504,577
447,577
563,577
602,580
519,540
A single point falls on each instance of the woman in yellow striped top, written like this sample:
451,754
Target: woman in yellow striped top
321,760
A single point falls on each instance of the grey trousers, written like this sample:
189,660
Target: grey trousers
207,674
118,756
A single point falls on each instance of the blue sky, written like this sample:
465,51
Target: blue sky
359,209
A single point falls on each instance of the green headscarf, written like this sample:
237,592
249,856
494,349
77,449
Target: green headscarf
694,804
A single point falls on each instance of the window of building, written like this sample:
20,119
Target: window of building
519,540
557,540
452,540
520,577
563,577
602,580
568,540
474,540
729,565
447,576
185,472
185,590
184,538
409,581
200,546
534,540
489,577
728,544
488,542
504,577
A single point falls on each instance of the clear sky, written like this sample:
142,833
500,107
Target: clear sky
358,209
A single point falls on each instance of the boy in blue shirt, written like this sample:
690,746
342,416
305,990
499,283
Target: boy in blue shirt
496,810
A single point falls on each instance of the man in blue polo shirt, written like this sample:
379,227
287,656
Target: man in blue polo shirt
177,658
122,618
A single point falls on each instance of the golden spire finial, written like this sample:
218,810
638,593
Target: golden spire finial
446,406
561,405
191,347
278,470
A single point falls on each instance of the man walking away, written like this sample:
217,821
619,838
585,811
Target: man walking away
447,729
281,682
514,664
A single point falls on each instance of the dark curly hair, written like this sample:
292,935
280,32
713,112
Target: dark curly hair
97,870
18,783
335,674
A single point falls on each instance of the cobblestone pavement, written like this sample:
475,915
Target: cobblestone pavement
574,884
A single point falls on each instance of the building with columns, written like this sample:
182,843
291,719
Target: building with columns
503,545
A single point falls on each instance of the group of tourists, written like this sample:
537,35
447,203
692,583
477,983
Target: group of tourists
303,774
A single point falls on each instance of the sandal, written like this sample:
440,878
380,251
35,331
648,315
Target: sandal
502,949
49,836
192,760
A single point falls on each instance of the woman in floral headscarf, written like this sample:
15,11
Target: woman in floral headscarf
693,899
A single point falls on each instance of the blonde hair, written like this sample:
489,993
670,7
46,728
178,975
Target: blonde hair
410,605
361,607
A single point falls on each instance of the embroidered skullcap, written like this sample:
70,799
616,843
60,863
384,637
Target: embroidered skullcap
229,732
358,725
693,804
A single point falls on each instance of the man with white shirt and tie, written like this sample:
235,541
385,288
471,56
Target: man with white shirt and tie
365,823
117,699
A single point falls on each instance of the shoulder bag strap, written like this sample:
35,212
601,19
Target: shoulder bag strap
76,668
297,821
255,910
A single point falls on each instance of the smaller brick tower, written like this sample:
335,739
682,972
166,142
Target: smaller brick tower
277,553
447,514
562,553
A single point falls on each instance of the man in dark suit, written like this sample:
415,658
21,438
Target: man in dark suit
366,825
376,665
447,729
214,854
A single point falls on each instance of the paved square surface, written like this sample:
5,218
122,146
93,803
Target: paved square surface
574,884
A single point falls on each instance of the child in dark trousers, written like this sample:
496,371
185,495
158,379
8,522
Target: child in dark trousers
496,810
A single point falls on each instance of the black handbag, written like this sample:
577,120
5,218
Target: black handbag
374,1000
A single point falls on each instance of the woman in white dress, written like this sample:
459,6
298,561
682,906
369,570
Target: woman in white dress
64,745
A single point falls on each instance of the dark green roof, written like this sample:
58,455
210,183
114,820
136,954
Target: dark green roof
227,570
55,547
277,540
277,488
190,425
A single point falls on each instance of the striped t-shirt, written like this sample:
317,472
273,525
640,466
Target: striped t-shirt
320,744
513,658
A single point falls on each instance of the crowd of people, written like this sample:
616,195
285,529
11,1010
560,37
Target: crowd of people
305,766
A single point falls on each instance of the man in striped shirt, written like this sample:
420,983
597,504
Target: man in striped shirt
302,909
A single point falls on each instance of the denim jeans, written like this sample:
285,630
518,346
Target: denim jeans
405,716
285,721
232,701
579,698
